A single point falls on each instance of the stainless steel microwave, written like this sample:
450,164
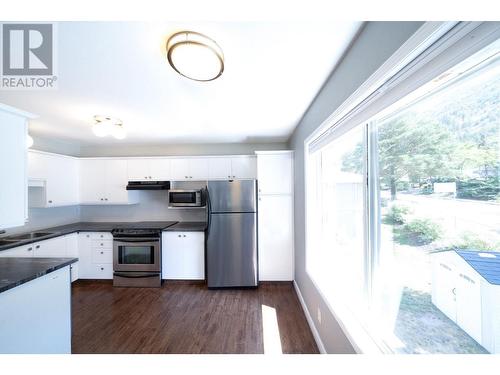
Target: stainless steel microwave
185,198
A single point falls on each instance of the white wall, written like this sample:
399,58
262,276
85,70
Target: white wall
40,218
374,44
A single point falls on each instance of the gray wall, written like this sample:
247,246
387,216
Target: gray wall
375,43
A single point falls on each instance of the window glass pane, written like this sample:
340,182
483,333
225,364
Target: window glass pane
336,219
438,172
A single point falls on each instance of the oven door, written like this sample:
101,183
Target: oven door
136,254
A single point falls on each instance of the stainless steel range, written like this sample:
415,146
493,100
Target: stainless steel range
137,257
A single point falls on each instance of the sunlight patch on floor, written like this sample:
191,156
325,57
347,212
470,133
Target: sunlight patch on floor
271,332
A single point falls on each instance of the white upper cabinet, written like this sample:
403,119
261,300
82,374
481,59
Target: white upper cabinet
237,167
56,180
243,167
219,168
183,169
275,172
148,169
104,181
13,167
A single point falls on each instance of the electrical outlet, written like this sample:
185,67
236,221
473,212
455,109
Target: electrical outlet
319,315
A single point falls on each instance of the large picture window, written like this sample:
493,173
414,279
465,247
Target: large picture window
403,215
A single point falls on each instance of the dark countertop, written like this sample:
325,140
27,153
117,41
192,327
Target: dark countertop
187,226
17,271
85,227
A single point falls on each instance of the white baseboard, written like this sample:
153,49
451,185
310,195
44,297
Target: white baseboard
310,321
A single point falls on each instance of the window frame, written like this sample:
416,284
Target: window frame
433,49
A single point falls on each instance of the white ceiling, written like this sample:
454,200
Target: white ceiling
272,73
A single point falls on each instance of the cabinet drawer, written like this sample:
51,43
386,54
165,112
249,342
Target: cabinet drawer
101,256
102,271
102,244
101,236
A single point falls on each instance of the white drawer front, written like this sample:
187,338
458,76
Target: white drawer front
101,256
101,236
102,244
103,271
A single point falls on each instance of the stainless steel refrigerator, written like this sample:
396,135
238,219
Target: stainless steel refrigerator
232,234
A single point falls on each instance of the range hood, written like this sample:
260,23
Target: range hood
148,185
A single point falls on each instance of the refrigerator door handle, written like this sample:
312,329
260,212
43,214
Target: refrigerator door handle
209,212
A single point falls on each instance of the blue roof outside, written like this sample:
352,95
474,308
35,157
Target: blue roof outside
487,266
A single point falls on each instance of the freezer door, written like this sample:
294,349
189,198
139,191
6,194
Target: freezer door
232,196
232,250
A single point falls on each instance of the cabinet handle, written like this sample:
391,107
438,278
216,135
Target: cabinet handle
186,176
102,268
150,177
234,176
102,244
178,235
50,201
228,176
30,248
190,176
184,235
105,199
102,252
101,236
37,246
454,291
88,235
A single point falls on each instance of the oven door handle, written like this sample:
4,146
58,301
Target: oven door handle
128,240
135,276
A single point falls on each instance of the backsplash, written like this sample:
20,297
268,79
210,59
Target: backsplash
152,206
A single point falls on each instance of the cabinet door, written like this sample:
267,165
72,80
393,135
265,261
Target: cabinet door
72,252
274,172
61,181
244,167
138,169
444,286
468,301
160,169
219,168
198,169
85,270
53,248
25,251
183,255
13,170
179,169
116,182
275,238
92,175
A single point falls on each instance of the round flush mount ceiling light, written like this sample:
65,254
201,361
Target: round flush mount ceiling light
104,125
195,56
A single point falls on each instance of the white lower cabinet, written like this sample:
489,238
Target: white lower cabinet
275,238
183,255
35,317
95,251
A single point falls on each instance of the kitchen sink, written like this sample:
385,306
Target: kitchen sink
28,236
6,242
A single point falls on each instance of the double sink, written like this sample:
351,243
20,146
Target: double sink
9,240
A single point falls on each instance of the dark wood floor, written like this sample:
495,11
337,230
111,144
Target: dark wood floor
183,317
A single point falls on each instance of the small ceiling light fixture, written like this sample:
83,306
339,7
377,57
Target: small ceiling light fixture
29,141
105,125
195,56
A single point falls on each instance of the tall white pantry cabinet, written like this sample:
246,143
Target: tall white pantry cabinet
13,166
275,217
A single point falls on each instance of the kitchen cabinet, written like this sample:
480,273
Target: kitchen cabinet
53,180
13,167
189,169
95,251
104,181
148,169
25,251
183,255
275,212
59,247
275,172
275,238
35,317
238,167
